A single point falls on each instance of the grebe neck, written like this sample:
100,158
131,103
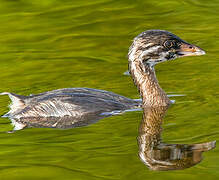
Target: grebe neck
145,79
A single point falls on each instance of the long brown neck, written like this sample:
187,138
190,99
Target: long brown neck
145,79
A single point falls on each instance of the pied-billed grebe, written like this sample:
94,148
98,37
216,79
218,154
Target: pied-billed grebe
77,105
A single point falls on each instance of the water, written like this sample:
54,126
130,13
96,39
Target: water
54,44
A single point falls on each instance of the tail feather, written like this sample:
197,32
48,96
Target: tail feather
4,93
6,115
14,97
18,102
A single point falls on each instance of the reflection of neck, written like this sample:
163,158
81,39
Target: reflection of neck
158,155
150,127
146,81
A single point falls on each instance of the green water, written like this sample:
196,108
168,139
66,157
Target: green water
51,44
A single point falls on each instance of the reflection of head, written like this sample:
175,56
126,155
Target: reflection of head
161,156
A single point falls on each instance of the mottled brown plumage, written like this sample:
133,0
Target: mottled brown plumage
145,79
148,49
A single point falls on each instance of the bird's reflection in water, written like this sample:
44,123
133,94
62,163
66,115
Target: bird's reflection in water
158,155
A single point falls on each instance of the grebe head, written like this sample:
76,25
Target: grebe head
155,46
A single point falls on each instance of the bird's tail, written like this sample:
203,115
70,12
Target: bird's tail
17,102
4,93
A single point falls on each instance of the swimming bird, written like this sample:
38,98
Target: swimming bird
70,107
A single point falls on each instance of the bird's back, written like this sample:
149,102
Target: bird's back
67,107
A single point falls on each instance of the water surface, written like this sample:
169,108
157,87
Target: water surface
52,44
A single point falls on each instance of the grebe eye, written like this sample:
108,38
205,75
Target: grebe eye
168,44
